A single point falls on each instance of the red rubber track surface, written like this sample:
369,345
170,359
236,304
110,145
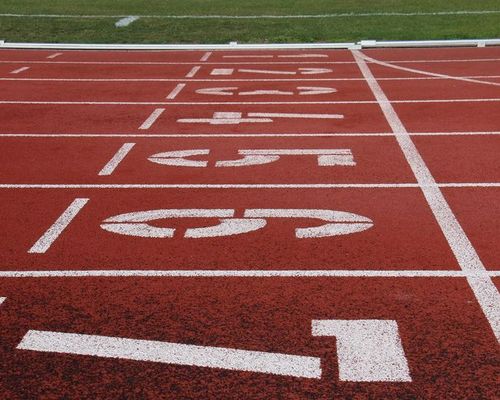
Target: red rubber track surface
88,124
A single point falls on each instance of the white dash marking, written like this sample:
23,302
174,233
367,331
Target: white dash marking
193,72
52,56
2,299
292,115
51,235
126,21
173,94
122,152
172,353
481,284
151,119
206,56
19,70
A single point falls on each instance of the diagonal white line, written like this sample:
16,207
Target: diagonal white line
122,152
175,91
51,235
151,119
481,284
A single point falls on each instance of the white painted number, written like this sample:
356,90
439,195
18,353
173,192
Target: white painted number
137,223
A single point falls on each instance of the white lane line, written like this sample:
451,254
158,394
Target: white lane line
151,119
172,353
418,71
123,22
240,185
481,284
242,62
207,103
51,235
122,152
206,273
240,135
206,56
19,70
52,56
193,72
175,91
408,78
2,299
267,16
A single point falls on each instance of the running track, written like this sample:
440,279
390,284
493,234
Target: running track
250,225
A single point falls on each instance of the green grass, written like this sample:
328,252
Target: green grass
163,30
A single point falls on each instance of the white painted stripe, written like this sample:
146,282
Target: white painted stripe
418,71
175,91
294,115
193,72
172,353
151,119
242,62
481,284
125,21
201,103
19,70
206,56
52,56
206,273
408,78
239,185
266,16
122,152
51,235
2,299
239,135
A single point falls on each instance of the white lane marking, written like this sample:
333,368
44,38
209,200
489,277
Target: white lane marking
418,71
222,71
406,78
123,22
238,185
235,118
177,158
294,115
136,223
19,70
122,152
172,353
239,135
2,299
193,72
278,56
52,56
249,56
300,71
175,91
51,235
206,56
481,284
210,273
238,63
326,157
233,90
368,350
151,119
267,16
208,103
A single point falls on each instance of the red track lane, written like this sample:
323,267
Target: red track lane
478,210
24,160
128,119
451,53
455,68
449,348
300,91
398,239
461,158
448,343
131,70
